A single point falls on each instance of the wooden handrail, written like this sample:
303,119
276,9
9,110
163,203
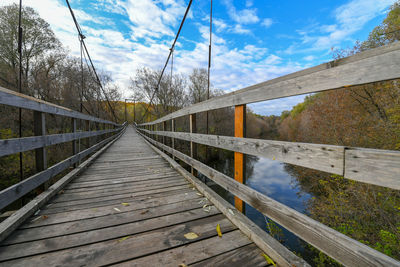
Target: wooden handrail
335,244
16,145
41,140
374,65
14,99
16,191
373,166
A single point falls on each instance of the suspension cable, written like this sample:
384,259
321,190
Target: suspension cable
82,37
21,171
169,56
209,61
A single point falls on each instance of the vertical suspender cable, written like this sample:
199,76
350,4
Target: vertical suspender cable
82,37
21,171
82,82
169,56
208,74
209,61
172,68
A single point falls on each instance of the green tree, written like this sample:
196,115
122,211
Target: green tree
37,40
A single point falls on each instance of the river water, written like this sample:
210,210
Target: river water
270,178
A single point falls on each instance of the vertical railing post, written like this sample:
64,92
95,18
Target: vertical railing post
173,139
164,128
240,162
88,129
74,142
193,146
39,129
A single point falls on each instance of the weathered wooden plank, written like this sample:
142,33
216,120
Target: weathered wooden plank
115,202
249,255
67,228
373,166
152,182
114,251
119,231
118,181
264,241
108,210
101,161
102,177
15,220
338,246
321,157
11,98
195,252
75,204
14,192
66,196
15,145
374,65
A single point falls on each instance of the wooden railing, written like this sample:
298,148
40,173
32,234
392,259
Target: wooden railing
373,166
41,140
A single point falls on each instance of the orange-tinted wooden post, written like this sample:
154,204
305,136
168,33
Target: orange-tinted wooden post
240,162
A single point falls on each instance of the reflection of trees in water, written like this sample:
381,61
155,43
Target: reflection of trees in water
367,213
223,161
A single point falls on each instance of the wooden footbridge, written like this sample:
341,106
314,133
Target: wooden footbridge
126,200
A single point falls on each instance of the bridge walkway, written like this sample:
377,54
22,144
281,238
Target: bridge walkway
129,208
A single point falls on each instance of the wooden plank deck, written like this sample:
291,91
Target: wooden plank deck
129,208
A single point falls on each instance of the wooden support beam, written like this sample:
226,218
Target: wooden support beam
240,161
74,143
193,146
88,129
39,129
164,129
173,139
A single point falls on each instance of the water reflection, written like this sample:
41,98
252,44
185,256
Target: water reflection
270,178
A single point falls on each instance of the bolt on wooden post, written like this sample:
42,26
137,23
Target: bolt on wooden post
240,161
193,146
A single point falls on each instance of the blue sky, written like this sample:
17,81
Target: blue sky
253,41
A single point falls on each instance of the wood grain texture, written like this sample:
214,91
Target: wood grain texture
374,166
114,250
14,192
374,65
19,217
73,227
15,145
239,158
321,157
14,99
338,246
263,240
119,231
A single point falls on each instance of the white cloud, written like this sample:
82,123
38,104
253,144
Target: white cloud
156,22
153,18
244,16
267,22
309,58
238,28
349,18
